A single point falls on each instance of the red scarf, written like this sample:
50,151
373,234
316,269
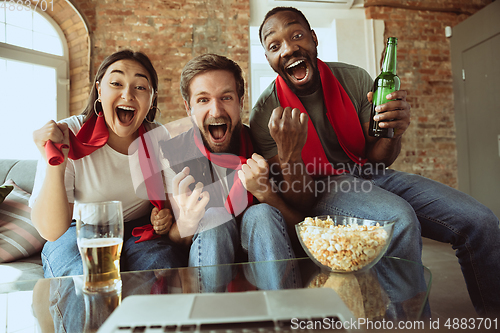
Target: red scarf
239,198
93,135
154,184
342,117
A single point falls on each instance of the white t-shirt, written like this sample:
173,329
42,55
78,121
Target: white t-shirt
101,176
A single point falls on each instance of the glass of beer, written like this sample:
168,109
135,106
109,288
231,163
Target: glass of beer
98,307
99,233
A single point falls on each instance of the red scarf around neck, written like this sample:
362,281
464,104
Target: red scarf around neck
239,198
93,135
342,116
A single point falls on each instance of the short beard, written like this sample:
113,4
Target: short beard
234,143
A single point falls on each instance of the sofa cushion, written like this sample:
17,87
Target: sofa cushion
18,237
22,172
4,191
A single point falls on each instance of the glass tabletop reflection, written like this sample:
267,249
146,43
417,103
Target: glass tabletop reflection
394,289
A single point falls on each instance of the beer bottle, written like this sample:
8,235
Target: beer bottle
384,84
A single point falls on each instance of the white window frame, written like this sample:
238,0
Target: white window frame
59,63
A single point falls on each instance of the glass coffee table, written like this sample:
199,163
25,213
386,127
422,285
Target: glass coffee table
393,290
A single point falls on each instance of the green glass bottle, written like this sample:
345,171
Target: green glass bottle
384,84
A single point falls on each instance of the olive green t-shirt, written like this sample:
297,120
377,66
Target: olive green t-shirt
356,83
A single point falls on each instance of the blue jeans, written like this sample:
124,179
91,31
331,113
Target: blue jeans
62,257
421,206
262,235
405,286
73,310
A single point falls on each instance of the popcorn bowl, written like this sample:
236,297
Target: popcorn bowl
344,244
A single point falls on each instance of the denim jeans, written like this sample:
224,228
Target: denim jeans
74,311
405,286
66,306
262,235
62,257
421,206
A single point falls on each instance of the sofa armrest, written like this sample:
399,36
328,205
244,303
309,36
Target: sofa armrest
22,172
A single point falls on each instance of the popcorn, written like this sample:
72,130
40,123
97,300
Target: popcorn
342,247
362,293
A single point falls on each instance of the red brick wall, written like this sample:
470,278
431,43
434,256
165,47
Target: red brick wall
173,31
424,67
170,32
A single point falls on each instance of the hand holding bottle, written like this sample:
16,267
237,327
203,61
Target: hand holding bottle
387,97
394,114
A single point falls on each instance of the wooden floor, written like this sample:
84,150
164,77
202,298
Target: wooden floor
448,297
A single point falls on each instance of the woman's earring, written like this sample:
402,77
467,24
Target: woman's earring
95,107
152,121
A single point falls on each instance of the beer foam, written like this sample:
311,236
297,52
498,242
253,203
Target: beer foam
99,242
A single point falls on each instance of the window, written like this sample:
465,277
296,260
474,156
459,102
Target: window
33,78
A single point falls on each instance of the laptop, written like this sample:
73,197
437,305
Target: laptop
294,310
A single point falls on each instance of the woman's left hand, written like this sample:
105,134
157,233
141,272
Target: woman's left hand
161,220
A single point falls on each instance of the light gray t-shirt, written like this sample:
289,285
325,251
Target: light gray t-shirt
103,175
356,83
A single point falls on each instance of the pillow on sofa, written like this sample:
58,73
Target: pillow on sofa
18,236
4,191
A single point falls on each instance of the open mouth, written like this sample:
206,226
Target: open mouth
298,70
218,131
125,114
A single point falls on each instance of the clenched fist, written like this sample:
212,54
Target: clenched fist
55,132
288,128
255,177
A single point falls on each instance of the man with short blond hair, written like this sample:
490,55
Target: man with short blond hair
219,189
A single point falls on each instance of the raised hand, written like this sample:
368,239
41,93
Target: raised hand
55,132
288,128
191,204
255,177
